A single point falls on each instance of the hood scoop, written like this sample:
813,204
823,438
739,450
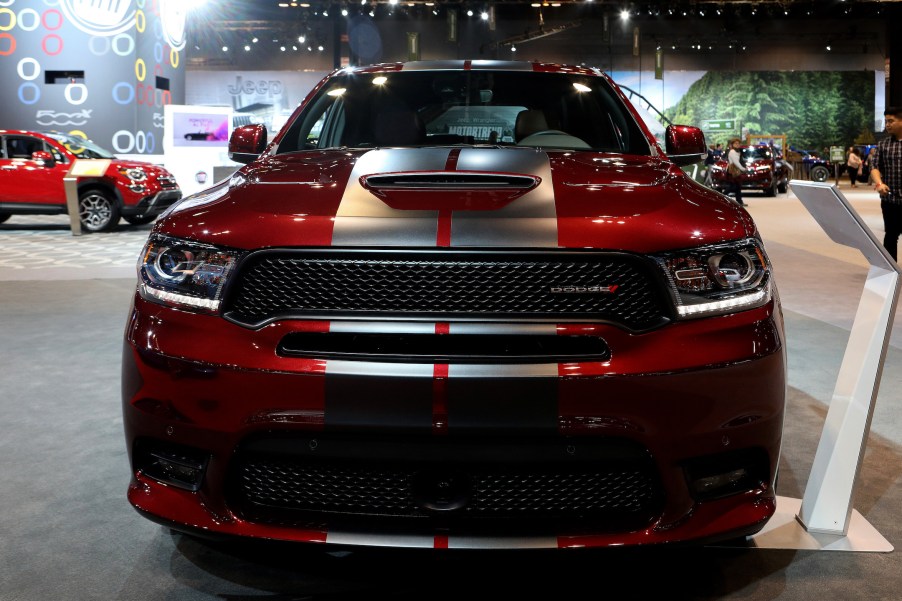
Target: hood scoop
448,190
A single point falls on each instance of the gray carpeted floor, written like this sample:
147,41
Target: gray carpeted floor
68,532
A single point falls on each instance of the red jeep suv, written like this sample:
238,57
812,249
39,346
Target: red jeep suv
457,304
33,165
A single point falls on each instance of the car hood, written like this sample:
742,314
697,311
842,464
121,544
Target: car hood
460,197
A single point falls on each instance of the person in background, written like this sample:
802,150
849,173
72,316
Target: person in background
735,169
886,173
866,165
710,159
853,165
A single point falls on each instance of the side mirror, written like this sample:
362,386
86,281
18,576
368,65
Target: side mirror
43,158
685,144
247,143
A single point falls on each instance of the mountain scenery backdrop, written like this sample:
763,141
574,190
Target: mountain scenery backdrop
814,109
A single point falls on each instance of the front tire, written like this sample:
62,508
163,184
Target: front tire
97,210
819,173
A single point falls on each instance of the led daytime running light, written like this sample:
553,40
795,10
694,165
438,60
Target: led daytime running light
725,305
181,299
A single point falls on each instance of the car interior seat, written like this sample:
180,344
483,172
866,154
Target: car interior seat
529,122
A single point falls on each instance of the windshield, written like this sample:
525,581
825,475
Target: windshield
756,152
83,149
502,108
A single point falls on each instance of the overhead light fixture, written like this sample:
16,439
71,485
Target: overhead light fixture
624,14
344,12
247,48
301,39
484,16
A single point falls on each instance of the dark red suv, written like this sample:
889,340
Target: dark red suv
457,304
33,165
765,170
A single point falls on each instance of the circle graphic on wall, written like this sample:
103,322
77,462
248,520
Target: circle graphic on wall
103,17
174,15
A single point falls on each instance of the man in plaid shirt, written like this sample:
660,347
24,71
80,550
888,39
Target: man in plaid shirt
887,175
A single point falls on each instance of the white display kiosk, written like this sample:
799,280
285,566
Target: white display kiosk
195,142
824,518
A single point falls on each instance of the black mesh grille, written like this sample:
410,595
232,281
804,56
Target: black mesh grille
624,491
611,287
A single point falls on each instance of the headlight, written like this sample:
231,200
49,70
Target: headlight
184,274
714,280
136,174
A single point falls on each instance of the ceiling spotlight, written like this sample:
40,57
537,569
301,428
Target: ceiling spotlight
225,48
320,48
255,40
484,16
325,13
514,48
829,47
282,48
247,48
624,14
469,13
301,39
295,48
344,12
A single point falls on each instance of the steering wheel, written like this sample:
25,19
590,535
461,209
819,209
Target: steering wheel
546,132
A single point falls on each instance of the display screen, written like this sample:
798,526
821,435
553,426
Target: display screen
200,129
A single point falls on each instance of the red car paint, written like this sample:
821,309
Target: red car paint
429,407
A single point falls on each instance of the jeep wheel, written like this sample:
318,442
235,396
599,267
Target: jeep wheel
783,187
139,219
4,217
819,173
97,210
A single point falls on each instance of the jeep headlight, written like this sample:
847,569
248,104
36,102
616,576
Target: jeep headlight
718,279
184,274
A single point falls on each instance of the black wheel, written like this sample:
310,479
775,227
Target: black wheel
138,219
819,173
782,187
97,210
4,217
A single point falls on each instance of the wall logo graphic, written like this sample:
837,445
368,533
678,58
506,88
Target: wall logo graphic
48,118
100,17
174,16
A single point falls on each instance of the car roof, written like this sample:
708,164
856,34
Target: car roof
474,65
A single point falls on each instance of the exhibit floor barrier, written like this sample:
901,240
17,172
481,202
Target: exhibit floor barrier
825,519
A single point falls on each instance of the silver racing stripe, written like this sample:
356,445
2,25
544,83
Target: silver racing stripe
364,220
529,221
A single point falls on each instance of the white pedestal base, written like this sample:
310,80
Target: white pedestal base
784,531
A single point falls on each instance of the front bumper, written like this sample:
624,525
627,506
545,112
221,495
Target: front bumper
153,205
682,398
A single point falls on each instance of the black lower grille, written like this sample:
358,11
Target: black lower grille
617,488
447,285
